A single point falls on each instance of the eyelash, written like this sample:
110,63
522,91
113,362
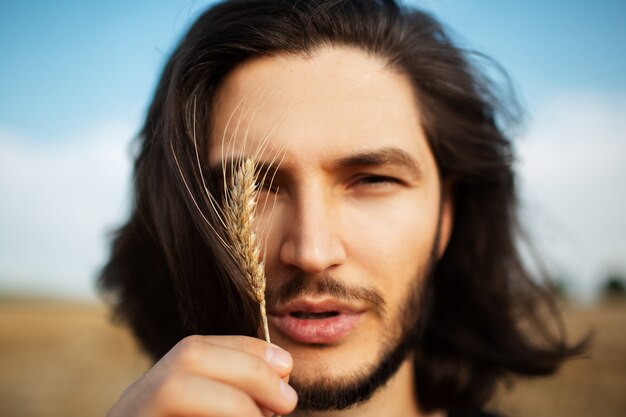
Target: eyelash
367,180
267,187
377,180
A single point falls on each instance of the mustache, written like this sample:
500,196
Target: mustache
301,284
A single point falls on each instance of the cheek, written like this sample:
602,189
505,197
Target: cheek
392,243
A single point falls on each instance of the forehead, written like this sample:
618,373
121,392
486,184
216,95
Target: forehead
330,103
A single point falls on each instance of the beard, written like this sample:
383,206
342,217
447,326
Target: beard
324,394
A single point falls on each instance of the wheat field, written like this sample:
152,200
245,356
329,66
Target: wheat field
66,359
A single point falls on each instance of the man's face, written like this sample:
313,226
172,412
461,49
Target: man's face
350,222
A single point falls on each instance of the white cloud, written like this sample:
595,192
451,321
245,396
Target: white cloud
57,201
573,168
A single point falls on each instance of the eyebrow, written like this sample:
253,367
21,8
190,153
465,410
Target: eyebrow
222,171
383,157
376,158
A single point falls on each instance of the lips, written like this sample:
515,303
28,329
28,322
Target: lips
316,321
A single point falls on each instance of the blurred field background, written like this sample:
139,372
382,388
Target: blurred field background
64,359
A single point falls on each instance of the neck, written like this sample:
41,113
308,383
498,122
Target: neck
395,399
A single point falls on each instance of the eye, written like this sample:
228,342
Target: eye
268,180
377,180
268,187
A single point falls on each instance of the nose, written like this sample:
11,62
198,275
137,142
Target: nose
312,239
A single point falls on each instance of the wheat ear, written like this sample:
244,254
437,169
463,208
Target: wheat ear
240,204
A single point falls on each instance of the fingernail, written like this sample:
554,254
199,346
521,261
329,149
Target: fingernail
278,358
288,393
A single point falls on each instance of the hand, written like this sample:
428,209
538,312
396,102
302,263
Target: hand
213,376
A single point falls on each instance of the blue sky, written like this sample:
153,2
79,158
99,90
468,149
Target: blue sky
76,78
71,64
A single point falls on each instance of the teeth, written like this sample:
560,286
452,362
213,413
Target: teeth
303,315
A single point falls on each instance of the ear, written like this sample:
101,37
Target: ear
446,221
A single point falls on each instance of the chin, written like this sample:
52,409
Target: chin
323,363
335,377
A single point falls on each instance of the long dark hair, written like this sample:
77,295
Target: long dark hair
170,277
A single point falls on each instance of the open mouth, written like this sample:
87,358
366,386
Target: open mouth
316,321
313,316
319,328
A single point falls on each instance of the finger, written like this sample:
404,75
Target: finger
241,369
276,356
192,395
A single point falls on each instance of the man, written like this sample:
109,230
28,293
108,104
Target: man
387,222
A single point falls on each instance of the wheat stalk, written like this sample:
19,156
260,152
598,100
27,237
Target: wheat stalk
239,207
237,214
237,211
